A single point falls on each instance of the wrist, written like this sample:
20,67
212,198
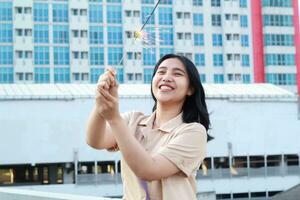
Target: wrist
115,120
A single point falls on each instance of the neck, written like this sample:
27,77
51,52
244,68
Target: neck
166,112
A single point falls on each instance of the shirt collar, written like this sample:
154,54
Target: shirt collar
167,127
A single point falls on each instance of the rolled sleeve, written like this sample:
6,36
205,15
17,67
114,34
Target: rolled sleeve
188,149
131,119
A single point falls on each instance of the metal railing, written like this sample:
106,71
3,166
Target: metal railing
98,179
249,172
21,194
220,173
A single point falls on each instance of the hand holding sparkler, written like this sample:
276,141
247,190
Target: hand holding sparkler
107,99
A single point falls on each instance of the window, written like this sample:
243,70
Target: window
96,34
61,75
41,75
146,11
129,55
243,3
6,55
27,32
40,12
278,20
198,39
74,12
61,34
215,3
217,40
19,32
41,34
41,55
245,60
95,73
246,78
202,78
279,40
164,51
19,10
281,79
280,59
96,56
60,12
216,20
218,60
198,19
166,36
148,1
6,33
114,35
179,15
218,78
187,36
6,74
120,75
83,12
148,75
5,11
244,40
61,56
129,76
149,56
114,14
166,2
277,3
95,13
243,21
150,38
199,60
165,16
113,1
234,77
75,54
114,55
28,54
197,2
187,15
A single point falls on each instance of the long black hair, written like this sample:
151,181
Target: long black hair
194,108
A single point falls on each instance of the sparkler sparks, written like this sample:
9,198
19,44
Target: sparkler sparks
141,35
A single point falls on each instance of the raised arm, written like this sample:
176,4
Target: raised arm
98,134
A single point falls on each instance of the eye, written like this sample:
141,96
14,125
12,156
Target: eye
178,74
160,72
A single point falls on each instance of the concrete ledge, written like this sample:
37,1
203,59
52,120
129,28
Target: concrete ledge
21,194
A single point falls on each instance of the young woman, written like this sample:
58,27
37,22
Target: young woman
161,152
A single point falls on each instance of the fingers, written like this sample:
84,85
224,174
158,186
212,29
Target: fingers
107,96
106,80
111,70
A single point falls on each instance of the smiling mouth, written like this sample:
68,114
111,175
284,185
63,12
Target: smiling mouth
165,88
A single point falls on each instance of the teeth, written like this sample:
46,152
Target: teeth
165,87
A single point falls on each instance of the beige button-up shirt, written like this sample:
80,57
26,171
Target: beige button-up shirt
184,144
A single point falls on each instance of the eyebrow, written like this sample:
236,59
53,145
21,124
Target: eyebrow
174,69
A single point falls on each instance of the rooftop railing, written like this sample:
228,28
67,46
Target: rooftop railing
21,194
219,173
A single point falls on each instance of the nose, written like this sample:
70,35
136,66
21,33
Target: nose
167,78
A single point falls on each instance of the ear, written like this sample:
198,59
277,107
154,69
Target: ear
190,91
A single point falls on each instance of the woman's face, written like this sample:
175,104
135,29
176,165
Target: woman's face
171,82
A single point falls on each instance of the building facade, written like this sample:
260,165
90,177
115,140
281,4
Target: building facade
230,41
254,155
